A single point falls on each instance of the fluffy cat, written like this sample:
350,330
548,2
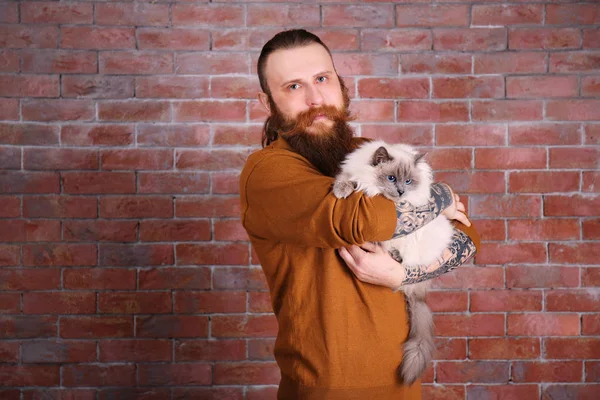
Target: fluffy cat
399,173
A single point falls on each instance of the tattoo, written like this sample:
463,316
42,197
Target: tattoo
411,218
462,249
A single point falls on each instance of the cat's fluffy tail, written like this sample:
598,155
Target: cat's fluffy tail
419,348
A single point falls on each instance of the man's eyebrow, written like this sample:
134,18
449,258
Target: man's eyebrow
314,76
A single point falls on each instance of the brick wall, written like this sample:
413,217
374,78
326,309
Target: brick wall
124,271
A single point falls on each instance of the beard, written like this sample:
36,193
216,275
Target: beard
324,147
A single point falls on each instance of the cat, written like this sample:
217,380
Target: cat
399,173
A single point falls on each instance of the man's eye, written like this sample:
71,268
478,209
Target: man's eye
294,86
321,79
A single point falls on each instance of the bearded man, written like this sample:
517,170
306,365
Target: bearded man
342,321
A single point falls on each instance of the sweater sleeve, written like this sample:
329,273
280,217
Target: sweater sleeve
285,199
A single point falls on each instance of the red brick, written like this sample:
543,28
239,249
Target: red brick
590,85
414,134
98,375
239,278
234,87
138,14
97,38
134,350
590,276
504,392
60,61
167,326
136,254
541,86
573,110
51,255
579,14
229,230
29,182
18,230
544,134
574,62
507,110
491,229
396,40
9,351
587,158
10,157
543,182
136,207
172,87
470,135
210,302
449,159
592,134
448,301
9,59
261,349
173,182
207,15
59,207
432,15
175,230
507,14
424,111
469,325
572,348
209,254
10,206
349,64
57,13
472,372
241,39
30,375
511,253
592,371
208,206
544,38
59,303
138,159
209,393
393,88
175,278
145,393
373,110
545,229
232,135
134,303
570,391
504,348
210,350
336,39
31,37
63,159
209,110
57,110
305,15
575,253
100,278
173,135
543,324
98,182
469,39
172,39
96,327
209,62
259,302
510,158
506,300
9,13
590,324
97,135
375,16
468,87
28,327
548,371
247,373
474,182
591,229
135,62
576,205
97,87
573,300
443,392
22,279
133,110
511,63
591,38
210,160
435,63
29,85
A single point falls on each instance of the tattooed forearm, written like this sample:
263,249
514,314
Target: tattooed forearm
411,218
462,249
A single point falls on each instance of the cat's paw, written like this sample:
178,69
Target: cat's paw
342,189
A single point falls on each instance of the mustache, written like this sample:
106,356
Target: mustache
306,118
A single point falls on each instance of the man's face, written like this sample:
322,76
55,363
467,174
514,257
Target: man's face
301,79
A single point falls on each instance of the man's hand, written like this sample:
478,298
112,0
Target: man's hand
456,210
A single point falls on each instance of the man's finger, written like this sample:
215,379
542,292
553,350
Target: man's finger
347,257
462,218
369,246
460,206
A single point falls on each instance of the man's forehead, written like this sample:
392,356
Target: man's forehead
298,63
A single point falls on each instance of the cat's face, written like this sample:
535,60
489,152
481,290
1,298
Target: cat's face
396,177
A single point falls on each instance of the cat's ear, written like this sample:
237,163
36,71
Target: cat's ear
419,156
380,155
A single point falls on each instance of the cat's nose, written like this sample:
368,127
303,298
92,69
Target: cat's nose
400,192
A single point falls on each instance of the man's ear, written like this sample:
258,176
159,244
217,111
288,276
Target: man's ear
264,100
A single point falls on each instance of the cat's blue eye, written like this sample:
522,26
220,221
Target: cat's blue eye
408,181
391,178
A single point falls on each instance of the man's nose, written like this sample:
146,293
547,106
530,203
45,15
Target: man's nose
314,96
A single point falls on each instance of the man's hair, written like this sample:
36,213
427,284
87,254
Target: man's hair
282,41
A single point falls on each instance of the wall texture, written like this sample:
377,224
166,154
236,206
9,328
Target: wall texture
124,271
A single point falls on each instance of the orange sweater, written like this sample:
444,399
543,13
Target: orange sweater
338,338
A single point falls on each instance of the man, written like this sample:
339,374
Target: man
341,321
